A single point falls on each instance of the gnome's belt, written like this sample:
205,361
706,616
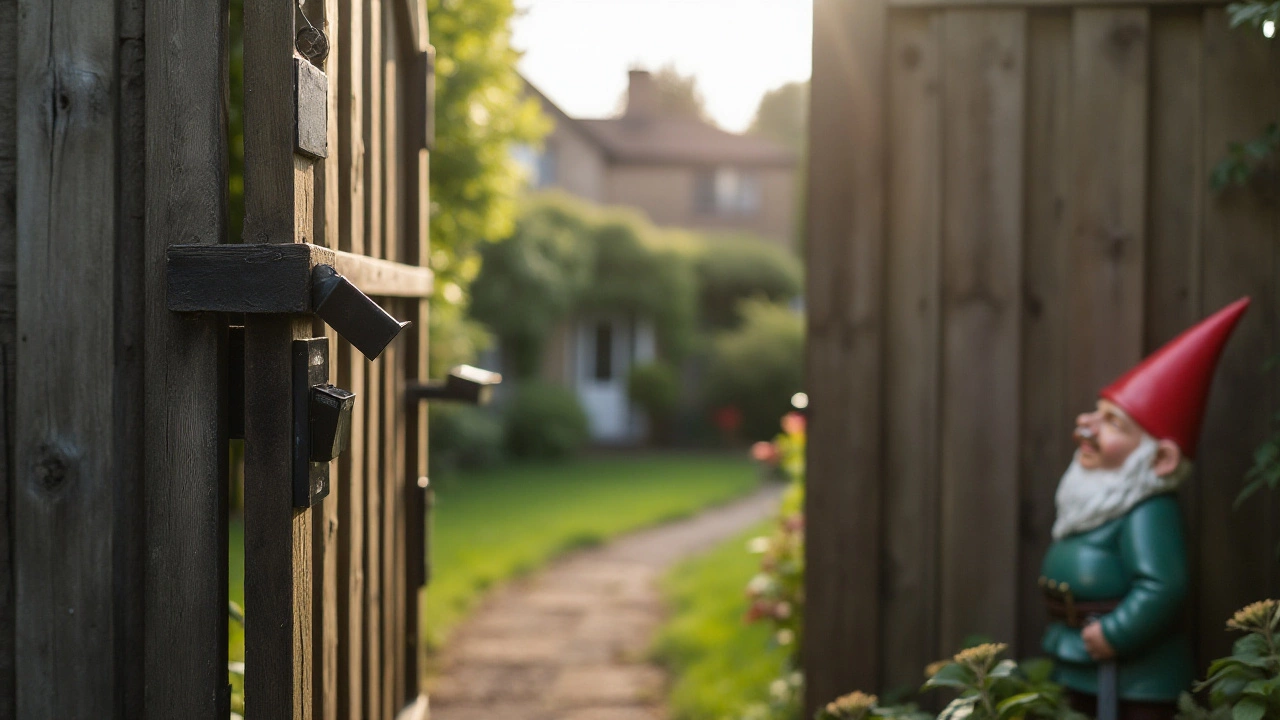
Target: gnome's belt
1076,613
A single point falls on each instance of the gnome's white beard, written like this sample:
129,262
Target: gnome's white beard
1087,499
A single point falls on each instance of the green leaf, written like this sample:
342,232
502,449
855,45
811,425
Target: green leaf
1037,670
1003,669
1010,705
952,675
1258,688
958,709
1249,708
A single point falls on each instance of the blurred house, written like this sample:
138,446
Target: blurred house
679,171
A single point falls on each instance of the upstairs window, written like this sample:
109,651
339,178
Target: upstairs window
726,191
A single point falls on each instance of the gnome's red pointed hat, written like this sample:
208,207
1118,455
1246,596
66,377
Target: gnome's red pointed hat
1166,393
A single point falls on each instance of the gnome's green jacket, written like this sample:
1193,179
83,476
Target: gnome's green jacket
1140,560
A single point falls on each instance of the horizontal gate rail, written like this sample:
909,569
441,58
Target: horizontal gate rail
276,278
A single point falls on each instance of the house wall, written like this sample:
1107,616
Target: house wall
666,194
580,165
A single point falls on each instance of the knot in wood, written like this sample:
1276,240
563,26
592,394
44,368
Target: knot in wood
51,468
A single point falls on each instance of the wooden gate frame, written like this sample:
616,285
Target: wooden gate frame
113,504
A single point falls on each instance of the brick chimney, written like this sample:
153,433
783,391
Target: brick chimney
642,95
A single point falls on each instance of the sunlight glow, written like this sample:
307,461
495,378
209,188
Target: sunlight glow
800,401
1269,28
578,52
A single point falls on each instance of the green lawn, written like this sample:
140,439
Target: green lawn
494,525
719,663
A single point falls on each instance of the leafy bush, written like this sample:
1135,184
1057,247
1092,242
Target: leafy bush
757,367
733,268
567,256
530,282
655,388
545,421
1245,685
464,438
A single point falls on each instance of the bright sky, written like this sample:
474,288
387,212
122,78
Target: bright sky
578,52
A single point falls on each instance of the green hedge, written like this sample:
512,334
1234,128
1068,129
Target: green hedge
758,366
545,422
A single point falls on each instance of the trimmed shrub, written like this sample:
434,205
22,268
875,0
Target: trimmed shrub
733,268
545,421
464,438
655,388
757,367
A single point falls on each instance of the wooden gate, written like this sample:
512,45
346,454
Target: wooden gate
1010,206
126,369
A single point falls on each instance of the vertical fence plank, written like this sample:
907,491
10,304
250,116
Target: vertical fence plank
63,496
845,265
1110,55
327,180
351,530
186,458
1177,183
391,407
1239,257
984,66
912,372
279,208
374,219
8,329
1046,419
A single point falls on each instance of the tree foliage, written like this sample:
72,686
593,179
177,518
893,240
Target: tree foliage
783,116
481,111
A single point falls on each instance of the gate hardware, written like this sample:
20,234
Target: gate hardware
361,321
464,384
311,107
278,278
330,419
321,420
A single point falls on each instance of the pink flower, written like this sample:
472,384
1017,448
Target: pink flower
793,423
764,452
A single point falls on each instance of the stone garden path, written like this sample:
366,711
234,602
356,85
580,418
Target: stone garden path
569,643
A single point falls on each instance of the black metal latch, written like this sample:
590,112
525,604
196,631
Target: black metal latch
321,421
464,384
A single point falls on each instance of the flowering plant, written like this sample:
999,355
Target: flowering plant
776,593
1245,685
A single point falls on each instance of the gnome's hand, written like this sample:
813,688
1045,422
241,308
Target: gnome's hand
1096,643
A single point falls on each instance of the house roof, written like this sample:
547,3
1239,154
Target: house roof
681,141
671,140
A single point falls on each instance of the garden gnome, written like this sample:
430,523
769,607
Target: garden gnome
1116,574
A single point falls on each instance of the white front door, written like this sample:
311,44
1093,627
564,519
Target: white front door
604,360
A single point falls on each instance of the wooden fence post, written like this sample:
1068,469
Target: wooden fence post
186,457
279,206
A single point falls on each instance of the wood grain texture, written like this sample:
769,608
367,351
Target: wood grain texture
984,67
845,268
276,278
327,634
395,168
374,246
1176,187
279,208
1109,67
186,459
8,338
1239,257
352,368
66,459
912,335
1045,431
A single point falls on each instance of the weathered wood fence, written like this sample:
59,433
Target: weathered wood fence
113,469
1010,206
